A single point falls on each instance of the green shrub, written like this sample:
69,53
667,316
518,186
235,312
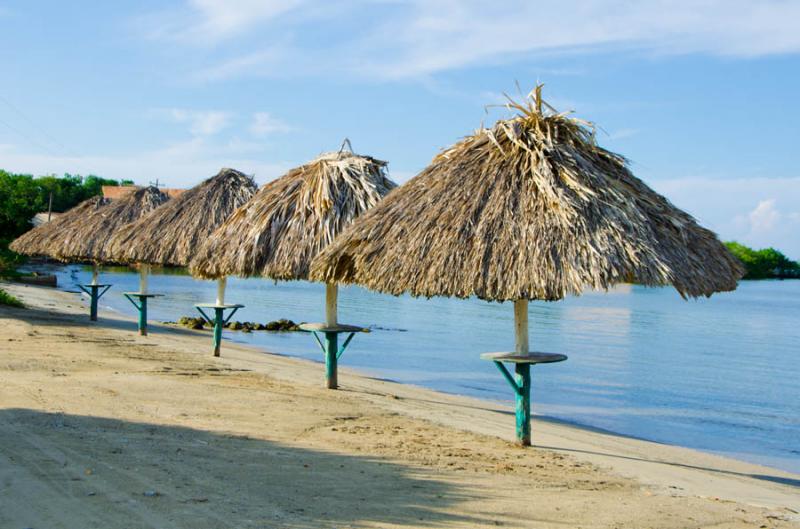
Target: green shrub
9,261
767,263
8,299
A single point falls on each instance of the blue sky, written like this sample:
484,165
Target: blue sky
701,96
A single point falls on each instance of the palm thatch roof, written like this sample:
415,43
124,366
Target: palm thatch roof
530,209
84,235
171,234
39,241
291,219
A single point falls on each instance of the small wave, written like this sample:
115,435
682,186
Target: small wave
379,328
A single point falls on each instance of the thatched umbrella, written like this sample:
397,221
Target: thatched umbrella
531,209
170,235
81,234
39,241
289,221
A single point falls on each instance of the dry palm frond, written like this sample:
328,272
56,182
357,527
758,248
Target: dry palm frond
171,234
532,208
289,220
39,241
84,237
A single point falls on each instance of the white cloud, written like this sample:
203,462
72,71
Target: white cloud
415,38
764,217
621,134
264,123
201,122
222,18
178,165
207,22
256,63
401,177
438,37
759,212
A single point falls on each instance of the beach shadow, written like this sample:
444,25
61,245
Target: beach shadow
101,472
54,316
791,482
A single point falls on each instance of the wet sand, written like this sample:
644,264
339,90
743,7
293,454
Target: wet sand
100,427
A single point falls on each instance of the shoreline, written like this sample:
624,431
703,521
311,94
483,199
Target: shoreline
637,391
661,470
756,459
507,404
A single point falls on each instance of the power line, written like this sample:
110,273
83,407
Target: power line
29,138
43,132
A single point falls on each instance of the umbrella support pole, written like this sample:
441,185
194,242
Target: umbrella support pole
329,344
523,403
95,292
331,360
332,351
141,307
520,382
219,321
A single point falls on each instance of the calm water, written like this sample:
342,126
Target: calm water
719,374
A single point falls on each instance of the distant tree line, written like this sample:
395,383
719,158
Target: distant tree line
767,263
23,195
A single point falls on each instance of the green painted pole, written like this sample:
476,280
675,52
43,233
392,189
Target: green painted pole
331,350
522,375
143,316
144,270
219,322
93,302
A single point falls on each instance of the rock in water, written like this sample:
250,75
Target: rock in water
281,325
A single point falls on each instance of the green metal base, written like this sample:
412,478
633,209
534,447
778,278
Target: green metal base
522,377
332,359
330,347
520,382
219,321
95,292
141,307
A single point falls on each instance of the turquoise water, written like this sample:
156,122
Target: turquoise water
719,374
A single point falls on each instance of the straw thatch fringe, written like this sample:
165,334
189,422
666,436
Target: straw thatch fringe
171,234
38,241
85,238
292,218
529,209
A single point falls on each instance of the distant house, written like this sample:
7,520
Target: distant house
41,218
114,192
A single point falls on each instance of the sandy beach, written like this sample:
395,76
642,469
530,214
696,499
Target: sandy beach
103,428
